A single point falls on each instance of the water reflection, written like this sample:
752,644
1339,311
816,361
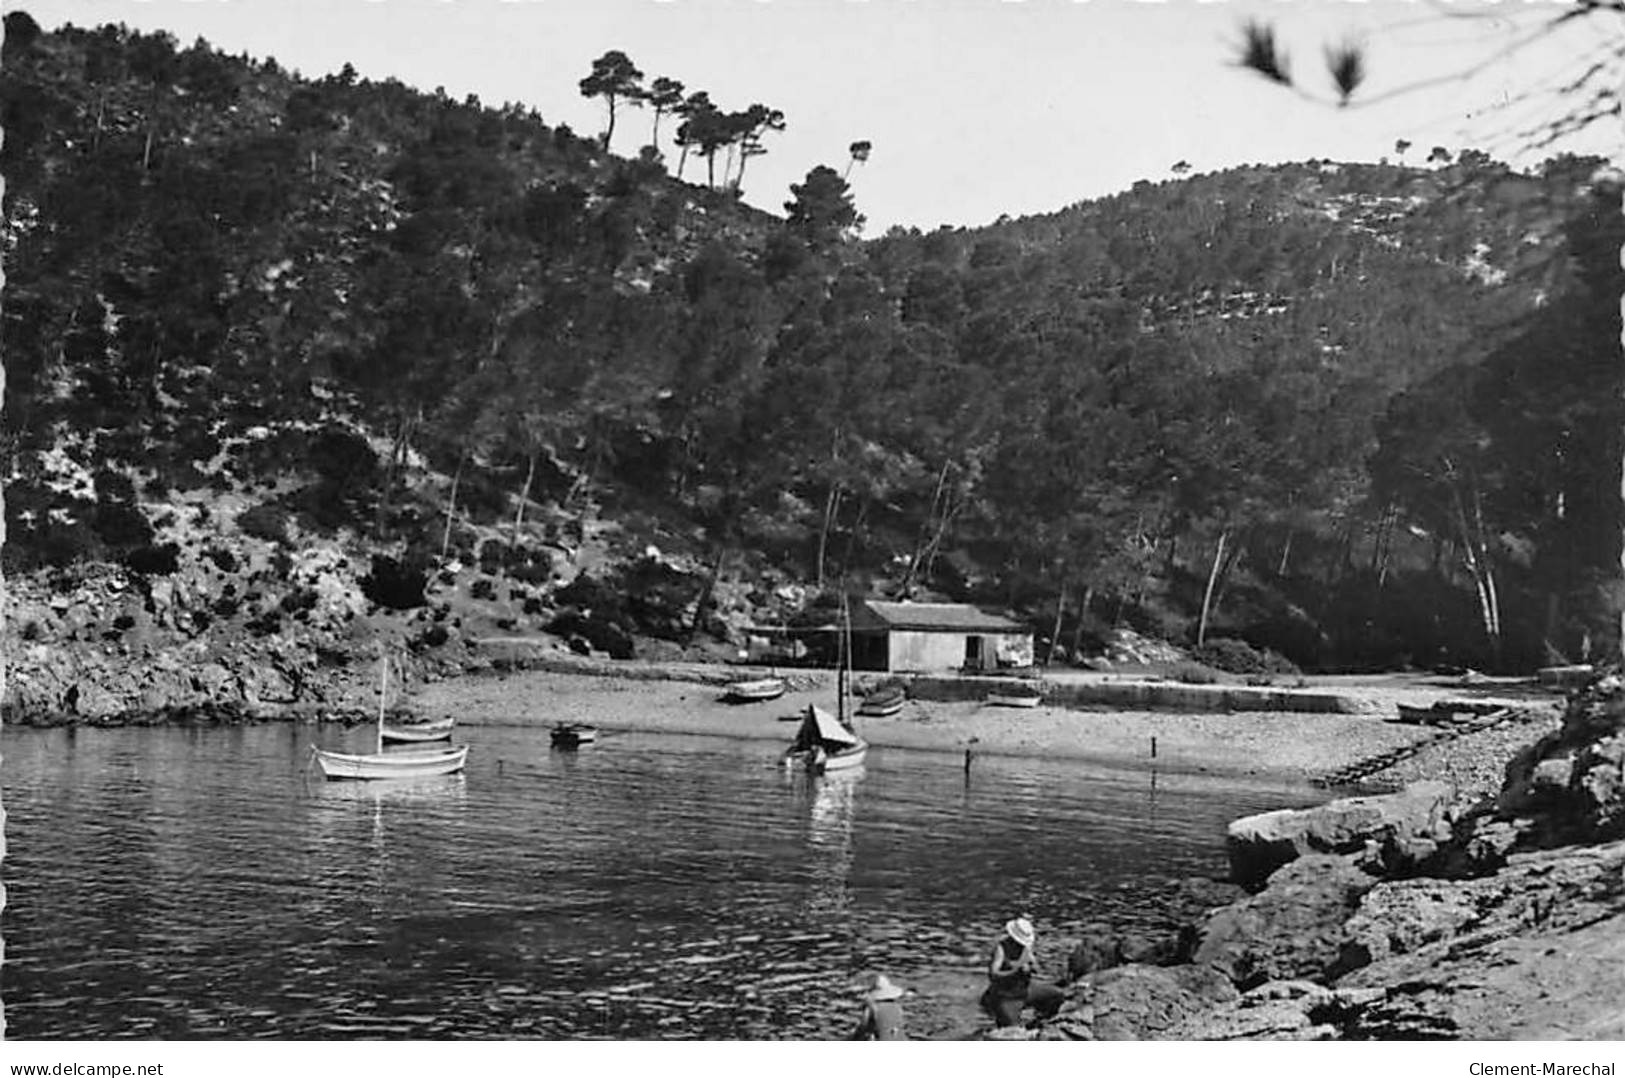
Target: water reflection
433,789
829,841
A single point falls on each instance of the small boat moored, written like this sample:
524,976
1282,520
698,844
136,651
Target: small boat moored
400,764
417,732
824,744
405,764
570,735
754,690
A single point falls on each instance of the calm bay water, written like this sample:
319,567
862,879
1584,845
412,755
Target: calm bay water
206,883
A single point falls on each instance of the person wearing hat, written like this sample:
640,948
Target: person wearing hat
1011,982
882,1012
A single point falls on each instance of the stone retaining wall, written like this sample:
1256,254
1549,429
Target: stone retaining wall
1140,695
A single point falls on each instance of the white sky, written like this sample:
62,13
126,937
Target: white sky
976,108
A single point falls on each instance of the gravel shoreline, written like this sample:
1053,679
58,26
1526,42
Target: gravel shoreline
1290,745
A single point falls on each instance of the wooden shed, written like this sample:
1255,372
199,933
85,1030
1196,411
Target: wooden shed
935,638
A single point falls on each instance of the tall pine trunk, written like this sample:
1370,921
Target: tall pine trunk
524,497
1207,595
1055,632
451,506
832,507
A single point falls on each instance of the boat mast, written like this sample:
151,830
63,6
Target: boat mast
843,678
383,691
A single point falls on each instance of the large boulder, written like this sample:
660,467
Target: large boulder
1135,1002
1406,824
1291,930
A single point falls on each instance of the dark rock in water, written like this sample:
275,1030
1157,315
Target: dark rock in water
1098,949
1102,948
1292,929
1408,825
1145,951
1139,1002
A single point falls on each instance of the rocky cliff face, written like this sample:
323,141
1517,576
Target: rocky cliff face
237,621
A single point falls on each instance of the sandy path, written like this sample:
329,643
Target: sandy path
1258,743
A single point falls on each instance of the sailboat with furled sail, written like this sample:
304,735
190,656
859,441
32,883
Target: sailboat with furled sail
826,742
401,764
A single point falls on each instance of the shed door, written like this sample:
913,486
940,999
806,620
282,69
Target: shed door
973,653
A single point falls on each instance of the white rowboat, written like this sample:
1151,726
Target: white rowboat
402,764
406,764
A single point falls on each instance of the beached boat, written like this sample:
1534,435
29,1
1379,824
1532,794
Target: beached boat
1423,716
401,764
883,702
418,732
1015,697
754,690
570,735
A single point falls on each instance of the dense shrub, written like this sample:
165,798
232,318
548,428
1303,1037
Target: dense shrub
395,585
154,560
1239,657
121,525
1193,673
265,521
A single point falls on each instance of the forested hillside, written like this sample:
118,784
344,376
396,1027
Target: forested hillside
1362,414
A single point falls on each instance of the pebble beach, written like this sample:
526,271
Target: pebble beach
1277,744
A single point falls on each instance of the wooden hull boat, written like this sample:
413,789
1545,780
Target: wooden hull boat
408,764
755,690
402,764
411,733
844,759
888,701
569,735
823,763
1014,698
825,744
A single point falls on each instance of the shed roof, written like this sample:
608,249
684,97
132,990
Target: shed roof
933,617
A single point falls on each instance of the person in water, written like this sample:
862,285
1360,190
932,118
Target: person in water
1012,982
882,1012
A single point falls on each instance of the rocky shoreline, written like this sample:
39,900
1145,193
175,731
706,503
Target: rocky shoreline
1432,913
